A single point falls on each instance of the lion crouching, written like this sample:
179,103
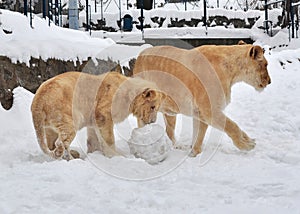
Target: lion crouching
68,102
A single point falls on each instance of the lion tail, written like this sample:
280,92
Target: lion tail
39,126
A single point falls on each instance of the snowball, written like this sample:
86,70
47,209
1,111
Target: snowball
149,143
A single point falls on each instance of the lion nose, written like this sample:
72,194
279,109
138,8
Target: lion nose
269,81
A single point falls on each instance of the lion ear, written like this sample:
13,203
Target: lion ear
241,42
149,93
256,52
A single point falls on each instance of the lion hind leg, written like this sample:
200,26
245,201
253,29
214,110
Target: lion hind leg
55,139
51,138
67,135
62,151
41,133
54,143
50,142
58,144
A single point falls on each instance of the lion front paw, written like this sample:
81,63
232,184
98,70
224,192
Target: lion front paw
110,152
195,152
245,143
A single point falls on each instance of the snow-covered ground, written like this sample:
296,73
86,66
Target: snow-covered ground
21,42
220,180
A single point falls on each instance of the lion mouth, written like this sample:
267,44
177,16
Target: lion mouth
260,87
150,121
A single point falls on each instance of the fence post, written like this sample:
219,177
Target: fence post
102,10
205,15
25,7
142,15
44,9
120,14
30,9
292,19
87,14
266,16
49,11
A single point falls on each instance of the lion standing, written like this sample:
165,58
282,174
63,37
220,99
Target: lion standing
70,101
198,83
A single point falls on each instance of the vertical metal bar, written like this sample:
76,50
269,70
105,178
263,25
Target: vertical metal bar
60,16
90,19
185,6
73,14
87,14
95,6
142,15
218,4
56,12
205,15
49,10
292,19
120,14
30,10
44,9
289,33
25,7
102,10
266,16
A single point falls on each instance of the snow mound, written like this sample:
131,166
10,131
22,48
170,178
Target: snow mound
44,41
149,143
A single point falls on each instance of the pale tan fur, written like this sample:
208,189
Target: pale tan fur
70,101
207,73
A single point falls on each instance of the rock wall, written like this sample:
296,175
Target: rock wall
13,75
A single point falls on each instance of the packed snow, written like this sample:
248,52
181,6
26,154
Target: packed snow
220,180
150,143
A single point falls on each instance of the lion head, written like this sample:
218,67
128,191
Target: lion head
256,70
146,105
